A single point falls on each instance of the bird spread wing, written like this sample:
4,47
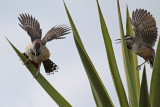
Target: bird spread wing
57,32
31,26
144,26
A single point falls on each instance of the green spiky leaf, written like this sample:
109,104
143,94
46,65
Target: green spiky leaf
112,62
132,56
99,92
128,69
155,80
144,100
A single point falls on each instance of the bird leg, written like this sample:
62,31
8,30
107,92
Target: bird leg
38,71
33,63
24,54
38,68
138,67
26,61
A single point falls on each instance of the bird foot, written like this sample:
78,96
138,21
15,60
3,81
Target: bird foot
26,61
38,71
24,54
36,75
138,67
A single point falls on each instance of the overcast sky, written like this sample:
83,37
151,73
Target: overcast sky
20,89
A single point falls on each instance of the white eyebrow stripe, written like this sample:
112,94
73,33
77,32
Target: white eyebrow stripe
128,37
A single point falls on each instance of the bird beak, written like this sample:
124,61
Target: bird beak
119,41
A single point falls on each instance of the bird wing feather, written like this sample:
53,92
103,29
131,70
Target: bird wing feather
31,26
144,26
57,32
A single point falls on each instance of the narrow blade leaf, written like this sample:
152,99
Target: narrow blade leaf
42,81
144,96
132,56
100,94
112,62
155,80
128,70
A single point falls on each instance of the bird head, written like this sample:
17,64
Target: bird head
129,41
37,47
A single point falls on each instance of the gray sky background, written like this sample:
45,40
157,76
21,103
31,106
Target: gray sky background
20,89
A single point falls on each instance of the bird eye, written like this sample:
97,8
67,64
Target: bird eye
31,50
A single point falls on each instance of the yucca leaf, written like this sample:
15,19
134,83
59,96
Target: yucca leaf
94,96
155,80
42,81
112,62
144,100
128,69
132,56
100,94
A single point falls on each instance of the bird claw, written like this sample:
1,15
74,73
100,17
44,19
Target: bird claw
36,75
38,71
26,62
138,67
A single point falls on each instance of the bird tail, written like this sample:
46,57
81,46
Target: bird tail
49,66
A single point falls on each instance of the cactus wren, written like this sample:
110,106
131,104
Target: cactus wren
37,52
144,26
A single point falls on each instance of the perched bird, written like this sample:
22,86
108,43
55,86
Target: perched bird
37,52
144,26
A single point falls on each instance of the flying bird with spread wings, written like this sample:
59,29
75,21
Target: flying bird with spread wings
37,52
144,26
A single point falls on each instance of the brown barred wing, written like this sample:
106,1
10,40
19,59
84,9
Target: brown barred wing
144,26
49,66
57,32
31,26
